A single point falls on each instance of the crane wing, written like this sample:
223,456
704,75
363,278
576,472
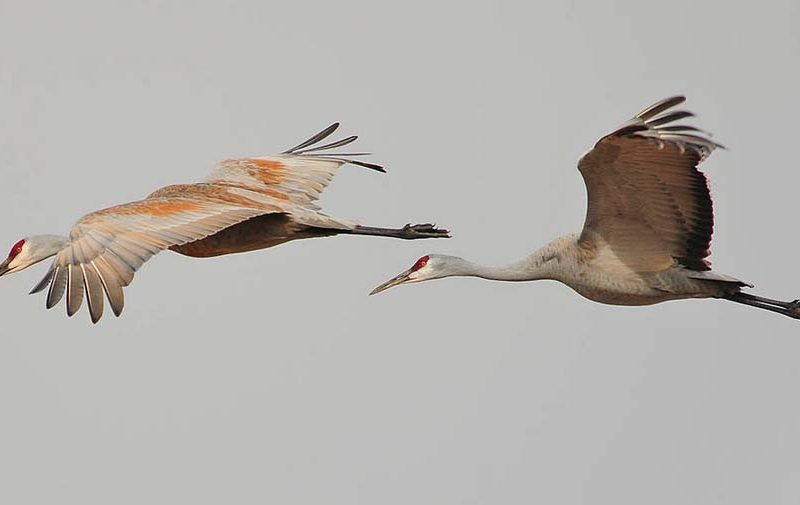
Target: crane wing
106,247
647,200
299,174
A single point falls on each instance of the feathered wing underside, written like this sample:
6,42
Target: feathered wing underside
646,199
107,247
298,175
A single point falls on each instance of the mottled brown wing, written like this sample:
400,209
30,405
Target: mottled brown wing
107,247
647,200
298,175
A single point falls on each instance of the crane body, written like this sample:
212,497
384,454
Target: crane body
648,225
243,205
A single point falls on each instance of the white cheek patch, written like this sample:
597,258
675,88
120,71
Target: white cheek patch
20,259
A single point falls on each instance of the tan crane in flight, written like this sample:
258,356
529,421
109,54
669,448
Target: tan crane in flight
648,225
243,205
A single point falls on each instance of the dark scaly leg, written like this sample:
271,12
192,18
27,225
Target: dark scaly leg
791,309
407,232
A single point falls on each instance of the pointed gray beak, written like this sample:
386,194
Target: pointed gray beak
4,268
394,281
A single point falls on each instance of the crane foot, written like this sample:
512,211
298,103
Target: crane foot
407,232
427,230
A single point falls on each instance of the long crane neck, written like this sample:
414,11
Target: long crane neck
538,265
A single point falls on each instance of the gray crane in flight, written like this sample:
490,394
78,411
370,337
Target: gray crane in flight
243,205
648,225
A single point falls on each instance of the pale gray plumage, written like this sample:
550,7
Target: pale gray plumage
648,224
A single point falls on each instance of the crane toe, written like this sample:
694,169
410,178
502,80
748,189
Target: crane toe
426,230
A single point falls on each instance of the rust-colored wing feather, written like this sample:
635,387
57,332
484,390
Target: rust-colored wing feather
647,200
108,246
298,175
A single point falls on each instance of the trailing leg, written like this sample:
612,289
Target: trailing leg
407,232
791,309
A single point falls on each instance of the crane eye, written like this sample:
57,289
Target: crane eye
420,263
16,249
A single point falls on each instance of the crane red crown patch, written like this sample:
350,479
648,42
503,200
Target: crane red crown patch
420,263
16,249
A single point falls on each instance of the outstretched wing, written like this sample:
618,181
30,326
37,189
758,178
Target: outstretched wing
108,246
647,200
298,175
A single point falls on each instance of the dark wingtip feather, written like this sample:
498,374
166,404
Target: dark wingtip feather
44,283
371,166
660,107
656,122
57,287
314,139
332,145
74,289
668,117
308,149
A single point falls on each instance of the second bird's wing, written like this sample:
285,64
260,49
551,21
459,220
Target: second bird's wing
298,175
647,200
106,247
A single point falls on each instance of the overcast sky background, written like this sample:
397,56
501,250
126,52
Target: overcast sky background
271,377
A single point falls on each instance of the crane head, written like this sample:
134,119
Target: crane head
15,258
29,251
425,268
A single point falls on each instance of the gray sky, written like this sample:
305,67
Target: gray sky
271,377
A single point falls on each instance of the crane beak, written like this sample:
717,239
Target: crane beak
4,268
394,281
